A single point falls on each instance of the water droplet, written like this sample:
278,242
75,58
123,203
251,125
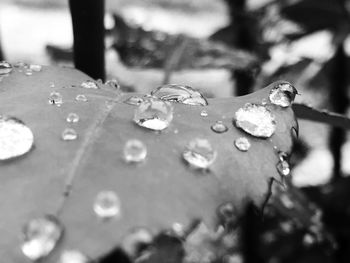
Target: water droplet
72,256
55,98
16,138
35,68
135,151
89,84
283,95
256,120
5,68
242,144
107,204
134,100
113,83
264,102
81,97
283,166
41,236
134,240
72,117
69,134
227,213
180,94
219,127
204,113
199,153
154,114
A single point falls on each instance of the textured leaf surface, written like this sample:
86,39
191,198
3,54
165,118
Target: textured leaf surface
155,194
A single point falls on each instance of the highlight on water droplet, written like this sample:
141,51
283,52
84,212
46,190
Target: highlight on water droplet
107,205
16,139
199,153
113,83
69,134
204,113
55,98
283,94
40,237
81,98
154,114
219,127
72,117
180,94
73,256
135,151
134,100
5,68
256,120
35,68
242,144
89,84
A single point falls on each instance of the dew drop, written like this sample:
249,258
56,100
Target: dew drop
283,95
35,68
69,134
55,98
199,153
16,139
107,204
219,127
180,94
256,120
40,236
72,117
89,84
134,240
5,68
134,100
204,113
72,256
227,213
154,114
81,97
113,83
135,151
242,144
282,166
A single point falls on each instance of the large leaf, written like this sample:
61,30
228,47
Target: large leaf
64,177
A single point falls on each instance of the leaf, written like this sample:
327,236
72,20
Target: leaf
63,178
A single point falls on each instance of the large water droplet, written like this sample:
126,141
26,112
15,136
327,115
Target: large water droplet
154,114
35,68
55,98
242,144
219,127
256,120
135,151
72,117
204,113
134,100
16,138
81,97
181,94
41,236
89,84
283,166
69,134
283,95
199,153
73,256
5,68
113,83
107,204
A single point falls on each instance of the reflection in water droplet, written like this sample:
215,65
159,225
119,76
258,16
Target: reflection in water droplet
36,68
283,165
72,256
89,84
72,117
134,241
16,138
204,113
107,204
199,153
219,127
256,120
283,95
81,97
134,100
113,83
135,151
5,68
55,98
41,236
69,134
181,94
154,114
242,144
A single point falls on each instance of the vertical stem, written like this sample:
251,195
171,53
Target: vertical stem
88,31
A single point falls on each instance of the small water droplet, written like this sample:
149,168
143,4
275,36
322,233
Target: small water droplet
264,102
154,114
134,241
283,166
283,95
135,151
180,94
69,134
107,204
227,213
256,120
134,100
55,98
16,139
242,144
89,84
286,201
72,117
72,256
219,127
81,97
41,236
35,68
113,83
5,68
199,153
204,113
